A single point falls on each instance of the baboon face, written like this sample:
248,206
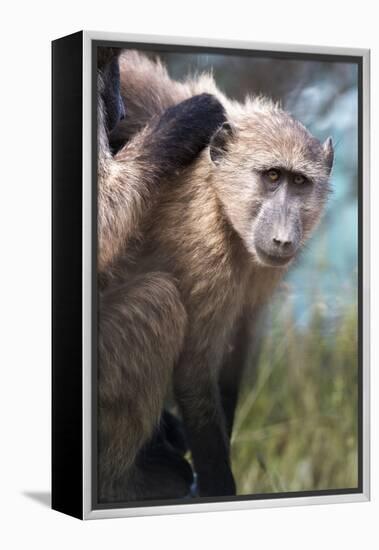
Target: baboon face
271,176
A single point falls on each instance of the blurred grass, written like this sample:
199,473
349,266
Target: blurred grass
296,422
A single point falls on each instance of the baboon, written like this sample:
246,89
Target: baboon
227,228
141,317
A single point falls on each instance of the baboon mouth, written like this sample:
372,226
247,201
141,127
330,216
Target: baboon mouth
272,260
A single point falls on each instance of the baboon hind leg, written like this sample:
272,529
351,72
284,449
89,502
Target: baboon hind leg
141,329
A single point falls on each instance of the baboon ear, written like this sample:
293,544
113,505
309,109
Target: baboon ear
220,141
328,152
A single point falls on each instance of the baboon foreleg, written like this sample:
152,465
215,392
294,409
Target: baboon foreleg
232,370
245,347
199,400
141,329
208,404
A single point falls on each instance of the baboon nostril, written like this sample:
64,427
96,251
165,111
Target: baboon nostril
279,242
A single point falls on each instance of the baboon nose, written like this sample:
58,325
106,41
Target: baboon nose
281,242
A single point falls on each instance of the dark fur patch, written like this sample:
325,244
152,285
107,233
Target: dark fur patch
211,456
158,454
171,428
105,56
114,106
184,130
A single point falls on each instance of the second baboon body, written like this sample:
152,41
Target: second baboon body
141,318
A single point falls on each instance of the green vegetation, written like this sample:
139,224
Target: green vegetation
296,423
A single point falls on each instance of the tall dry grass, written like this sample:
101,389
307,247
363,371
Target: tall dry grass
296,422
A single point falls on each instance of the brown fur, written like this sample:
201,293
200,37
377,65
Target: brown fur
126,190
141,329
141,317
200,232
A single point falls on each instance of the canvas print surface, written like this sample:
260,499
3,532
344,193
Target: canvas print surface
227,353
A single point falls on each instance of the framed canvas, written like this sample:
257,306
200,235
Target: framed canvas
210,275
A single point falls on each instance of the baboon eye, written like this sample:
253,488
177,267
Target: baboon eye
299,179
273,175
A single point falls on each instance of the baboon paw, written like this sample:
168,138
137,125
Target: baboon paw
185,129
